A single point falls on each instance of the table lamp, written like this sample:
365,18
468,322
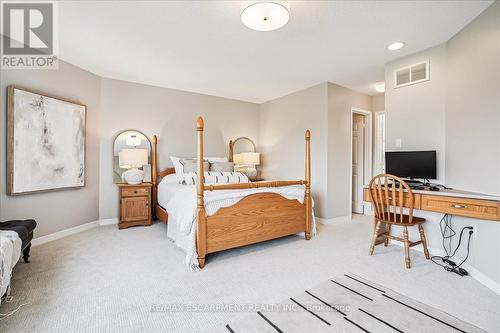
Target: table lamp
133,159
246,162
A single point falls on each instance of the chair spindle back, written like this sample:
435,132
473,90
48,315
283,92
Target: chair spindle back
386,194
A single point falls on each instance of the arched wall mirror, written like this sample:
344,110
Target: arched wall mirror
131,151
243,153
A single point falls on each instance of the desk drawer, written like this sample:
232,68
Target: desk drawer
406,196
135,192
480,209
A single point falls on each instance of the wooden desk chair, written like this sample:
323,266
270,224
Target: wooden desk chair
389,199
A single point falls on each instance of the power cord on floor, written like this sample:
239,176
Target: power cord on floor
447,234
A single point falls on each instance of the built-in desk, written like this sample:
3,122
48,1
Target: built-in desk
454,202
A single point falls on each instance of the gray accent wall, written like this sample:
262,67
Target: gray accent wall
57,210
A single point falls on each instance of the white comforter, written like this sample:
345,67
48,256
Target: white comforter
10,251
181,209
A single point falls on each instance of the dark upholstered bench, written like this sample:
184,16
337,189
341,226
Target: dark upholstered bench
24,229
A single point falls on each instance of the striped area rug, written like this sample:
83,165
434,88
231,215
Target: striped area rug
349,303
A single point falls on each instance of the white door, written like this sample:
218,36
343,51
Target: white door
358,124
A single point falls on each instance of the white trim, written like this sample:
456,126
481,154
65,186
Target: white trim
473,272
368,152
112,221
340,219
63,233
378,166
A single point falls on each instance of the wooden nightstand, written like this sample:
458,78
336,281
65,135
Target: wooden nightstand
135,205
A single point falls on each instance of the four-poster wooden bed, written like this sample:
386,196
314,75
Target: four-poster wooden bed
255,218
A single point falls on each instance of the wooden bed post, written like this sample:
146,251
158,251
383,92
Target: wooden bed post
230,151
201,231
154,175
307,197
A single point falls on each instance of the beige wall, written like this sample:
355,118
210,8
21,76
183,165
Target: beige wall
170,114
473,125
283,122
457,112
416,113
326,110
55,211
378,102
340,102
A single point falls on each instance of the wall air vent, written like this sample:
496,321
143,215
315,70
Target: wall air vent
411,74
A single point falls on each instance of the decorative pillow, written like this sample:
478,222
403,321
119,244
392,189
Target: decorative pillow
217,177
189,165
216,159
176,161
222,166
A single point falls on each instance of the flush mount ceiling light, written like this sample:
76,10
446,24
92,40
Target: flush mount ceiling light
265,15
395,46
380,87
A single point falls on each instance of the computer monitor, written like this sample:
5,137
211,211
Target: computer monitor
411,164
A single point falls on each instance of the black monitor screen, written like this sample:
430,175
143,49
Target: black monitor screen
411,164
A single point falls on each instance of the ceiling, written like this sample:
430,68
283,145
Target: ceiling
202,46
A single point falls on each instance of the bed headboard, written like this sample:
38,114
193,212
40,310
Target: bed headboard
156,175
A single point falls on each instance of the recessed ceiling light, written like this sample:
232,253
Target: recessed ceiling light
395,46
380,87
265,15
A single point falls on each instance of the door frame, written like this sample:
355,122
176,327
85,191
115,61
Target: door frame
368,155
376,147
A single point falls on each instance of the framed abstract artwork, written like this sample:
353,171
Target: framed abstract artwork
45,142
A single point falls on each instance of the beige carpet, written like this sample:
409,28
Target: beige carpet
135,280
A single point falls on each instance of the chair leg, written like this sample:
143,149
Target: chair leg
407,246
375,236
388,232
424,241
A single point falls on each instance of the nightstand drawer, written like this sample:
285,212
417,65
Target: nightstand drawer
482,209
135,192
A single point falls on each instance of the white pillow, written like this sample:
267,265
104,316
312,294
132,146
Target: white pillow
216,177
170,179
179,168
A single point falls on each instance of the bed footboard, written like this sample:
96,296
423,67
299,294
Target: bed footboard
256,218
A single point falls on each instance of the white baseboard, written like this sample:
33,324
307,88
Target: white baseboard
473,272
112,221
340,219
63,233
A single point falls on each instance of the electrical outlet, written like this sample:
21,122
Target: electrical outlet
474,230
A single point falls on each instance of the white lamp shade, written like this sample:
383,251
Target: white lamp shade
132,158
247,159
